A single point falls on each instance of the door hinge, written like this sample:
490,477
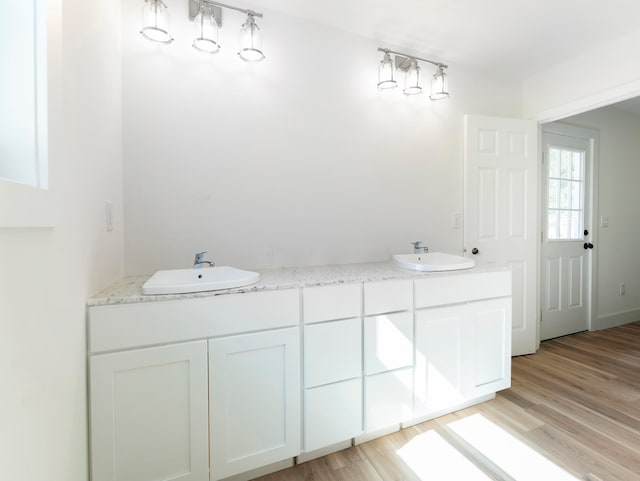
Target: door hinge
542,158
541,236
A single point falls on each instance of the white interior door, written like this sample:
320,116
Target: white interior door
566,235
500,210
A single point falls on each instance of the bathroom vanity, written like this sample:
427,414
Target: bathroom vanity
239,383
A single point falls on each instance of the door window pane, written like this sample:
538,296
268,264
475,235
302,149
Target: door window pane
565,191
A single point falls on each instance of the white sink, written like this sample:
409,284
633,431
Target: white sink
180,281
433,262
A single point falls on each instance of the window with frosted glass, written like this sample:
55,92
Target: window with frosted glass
23,92
565,213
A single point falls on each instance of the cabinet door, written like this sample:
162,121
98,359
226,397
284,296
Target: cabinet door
487,330
254,400
149,414
438,359
332,414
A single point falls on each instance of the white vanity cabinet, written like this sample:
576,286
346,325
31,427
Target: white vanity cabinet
388,353
210,387
462,349
332,364
149,414
194,389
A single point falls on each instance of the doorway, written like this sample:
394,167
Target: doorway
567,230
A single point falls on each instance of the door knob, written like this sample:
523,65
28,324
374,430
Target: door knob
588,245
474,251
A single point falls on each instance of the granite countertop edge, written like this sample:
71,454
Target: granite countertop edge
128,290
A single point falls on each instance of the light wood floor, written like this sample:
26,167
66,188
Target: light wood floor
573,412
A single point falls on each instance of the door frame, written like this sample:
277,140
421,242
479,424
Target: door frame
593,137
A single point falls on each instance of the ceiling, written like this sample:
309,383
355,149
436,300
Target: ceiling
518,38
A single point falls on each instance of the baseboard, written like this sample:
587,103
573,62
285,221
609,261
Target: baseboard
617,319
363,438
263,471
318,453
443,412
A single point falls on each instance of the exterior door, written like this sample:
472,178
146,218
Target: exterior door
566,235
500,211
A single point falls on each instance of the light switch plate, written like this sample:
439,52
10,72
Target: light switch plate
456,220
109,215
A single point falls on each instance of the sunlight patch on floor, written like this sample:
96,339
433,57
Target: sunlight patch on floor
431,457
506,451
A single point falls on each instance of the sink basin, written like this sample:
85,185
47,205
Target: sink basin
433,262
180,281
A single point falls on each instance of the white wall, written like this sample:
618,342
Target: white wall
297,160
46,275
595,79
618,199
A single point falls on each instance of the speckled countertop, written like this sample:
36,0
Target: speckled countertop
129,289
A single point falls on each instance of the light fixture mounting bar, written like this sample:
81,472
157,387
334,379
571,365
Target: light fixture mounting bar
404,57
194,6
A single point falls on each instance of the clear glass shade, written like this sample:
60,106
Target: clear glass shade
385,73
205,36
439,85
155,21
250,41
412,80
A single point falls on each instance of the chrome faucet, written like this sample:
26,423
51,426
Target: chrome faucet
199,261
418,248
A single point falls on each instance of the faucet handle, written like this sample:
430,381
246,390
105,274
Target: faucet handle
416,244
199,257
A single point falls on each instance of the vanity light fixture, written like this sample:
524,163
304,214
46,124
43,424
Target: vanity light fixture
412,79
155,21
250,40
205,23
385,73
250,35
207,18
439,85
409,65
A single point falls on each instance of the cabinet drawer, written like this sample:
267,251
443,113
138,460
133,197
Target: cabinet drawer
442,290
389,399
388,342
326,303
332,352
388,296
124,326
332,414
